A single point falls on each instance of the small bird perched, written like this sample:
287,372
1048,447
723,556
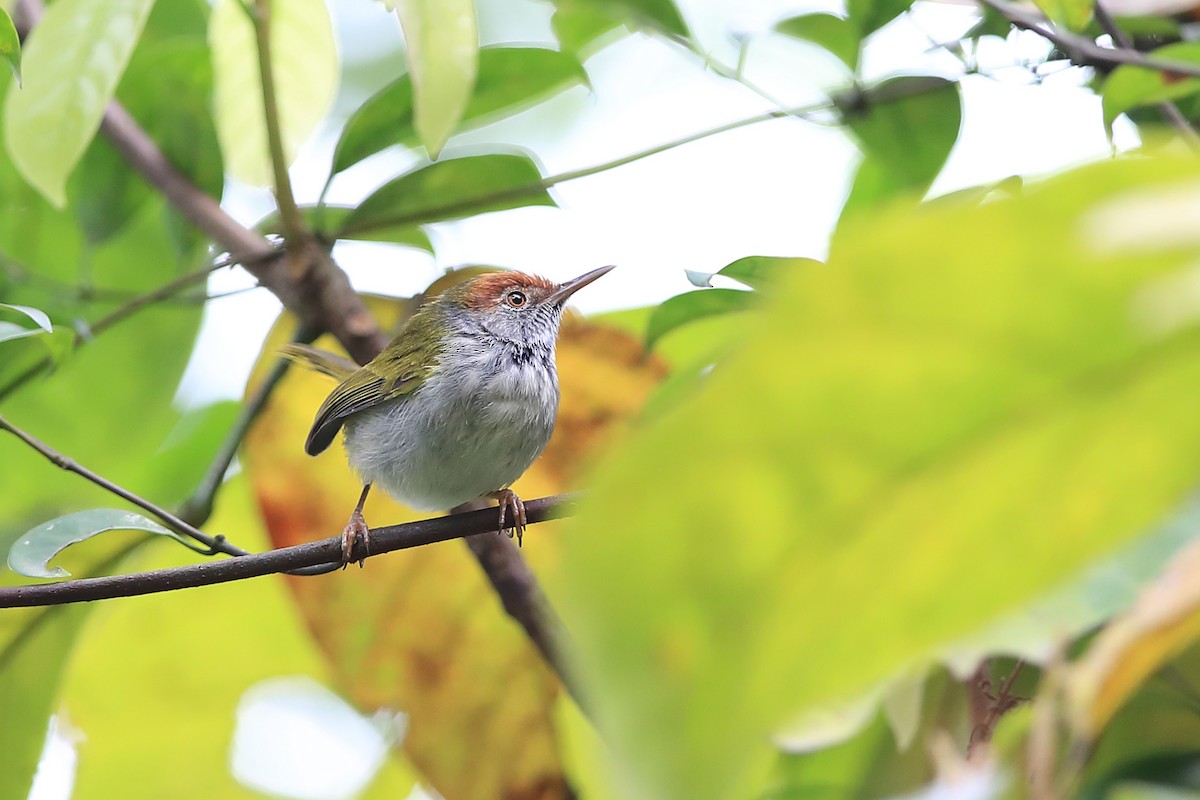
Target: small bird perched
459,403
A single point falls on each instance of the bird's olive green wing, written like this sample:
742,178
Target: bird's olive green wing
398,371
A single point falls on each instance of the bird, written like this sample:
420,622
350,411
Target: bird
457,405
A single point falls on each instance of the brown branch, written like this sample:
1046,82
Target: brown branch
1169,111
1082,50
322,551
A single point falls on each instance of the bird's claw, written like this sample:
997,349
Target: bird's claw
355,528
508,500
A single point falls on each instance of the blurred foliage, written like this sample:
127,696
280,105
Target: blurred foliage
811,554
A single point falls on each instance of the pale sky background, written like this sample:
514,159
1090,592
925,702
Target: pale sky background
774,188
771,189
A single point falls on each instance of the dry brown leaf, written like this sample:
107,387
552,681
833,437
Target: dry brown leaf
421,631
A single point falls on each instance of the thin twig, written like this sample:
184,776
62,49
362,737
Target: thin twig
851,99
198,507
289,213
316,553
215,543
1169,111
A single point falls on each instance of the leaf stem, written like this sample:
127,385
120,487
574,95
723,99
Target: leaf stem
289,213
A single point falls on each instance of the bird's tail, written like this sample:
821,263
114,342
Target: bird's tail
331,364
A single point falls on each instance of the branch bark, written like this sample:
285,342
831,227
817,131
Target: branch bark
322,551
1082,50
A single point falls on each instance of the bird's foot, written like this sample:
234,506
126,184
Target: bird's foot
355,528
509,501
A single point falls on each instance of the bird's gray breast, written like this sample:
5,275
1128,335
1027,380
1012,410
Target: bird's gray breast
476,424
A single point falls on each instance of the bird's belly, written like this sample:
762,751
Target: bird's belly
450,443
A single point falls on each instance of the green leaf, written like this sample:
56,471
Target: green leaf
73,63
327,220
1075,14
168,89
911,134
662,15
578,23
10,45
443,52
684,308
885,422
34,314
1129,86
756,272
30,555
510,79
839,36
451,189
868,16
906,128
581,26
305,67
10,331
35,651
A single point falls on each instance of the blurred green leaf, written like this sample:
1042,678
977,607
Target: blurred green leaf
10,45
1075,14
443,56
885,422
905,140
1099,591
869,16
756,272
11,330
30,555
510,79
1151,791
912,135
578,23
168,89
450,189
580,26
1129,86
684,308
35,649
72,66
304,64
658,14
327,221
34,314
839,36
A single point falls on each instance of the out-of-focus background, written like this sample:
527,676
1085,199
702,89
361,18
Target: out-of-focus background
894,506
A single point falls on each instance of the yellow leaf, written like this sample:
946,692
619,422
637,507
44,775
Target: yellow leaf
421,631
1163,622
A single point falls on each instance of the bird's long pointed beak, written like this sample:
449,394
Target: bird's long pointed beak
565,290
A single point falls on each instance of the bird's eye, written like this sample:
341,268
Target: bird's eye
515,299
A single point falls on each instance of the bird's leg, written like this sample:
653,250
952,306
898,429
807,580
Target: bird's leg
355,528
508,500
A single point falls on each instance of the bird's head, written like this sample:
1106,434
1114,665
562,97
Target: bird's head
516,306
